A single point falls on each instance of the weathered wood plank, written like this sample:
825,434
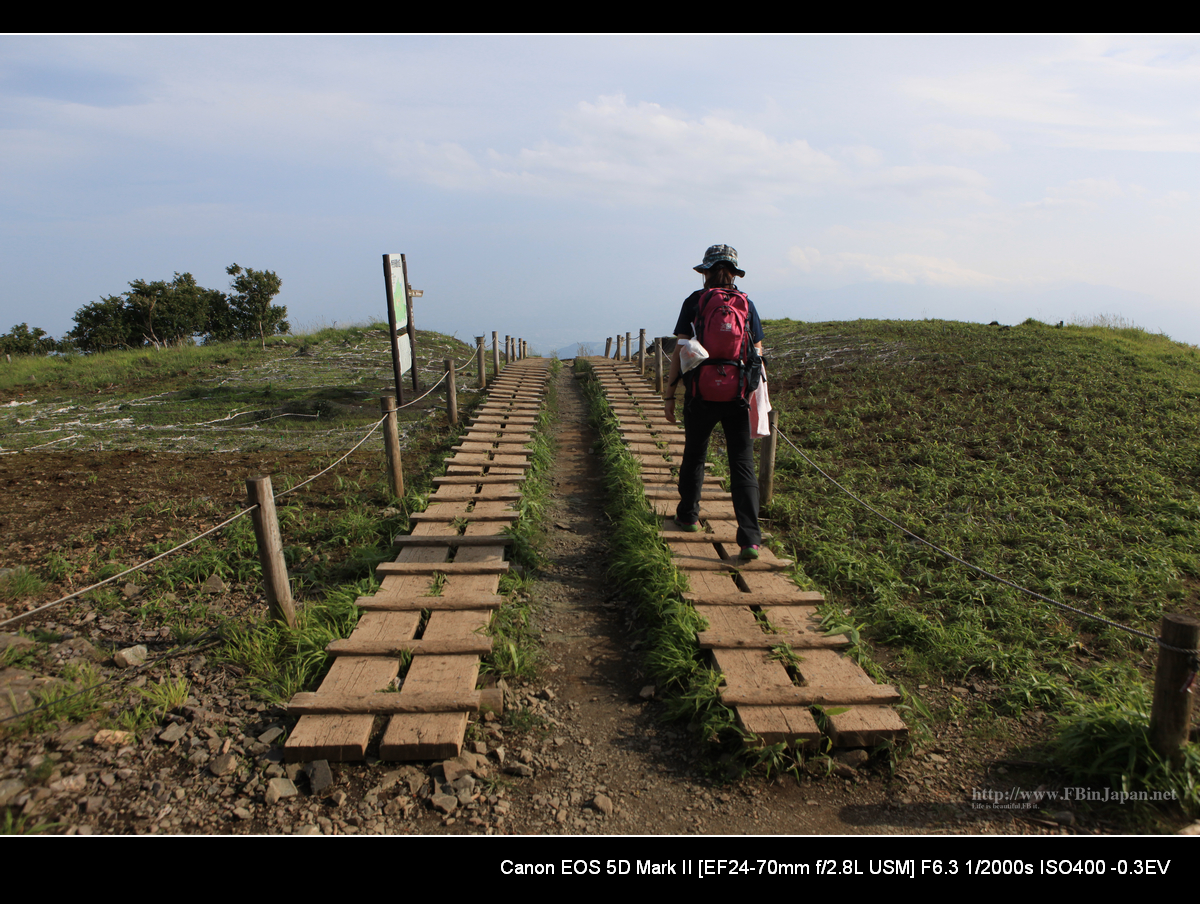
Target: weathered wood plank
380,704
456,567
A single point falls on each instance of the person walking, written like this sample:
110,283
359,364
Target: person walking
700,415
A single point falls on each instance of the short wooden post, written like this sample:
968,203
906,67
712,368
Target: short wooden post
658,365
1171,711
391,445
608,347
766,460
479,362
507,350
641,351
617,356
451,395
628,346
495,354
524,349
270,549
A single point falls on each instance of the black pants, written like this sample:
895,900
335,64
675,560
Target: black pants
699,419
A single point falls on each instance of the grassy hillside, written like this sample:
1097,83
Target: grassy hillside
1065,459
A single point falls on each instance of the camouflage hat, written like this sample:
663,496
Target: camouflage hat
717,254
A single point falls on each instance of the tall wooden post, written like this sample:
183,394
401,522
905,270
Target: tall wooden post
270,549
495,354
608,347
629,346
1171,711
658,365
391,445
479,362
451,394
766,460
617,356
507,350
641,351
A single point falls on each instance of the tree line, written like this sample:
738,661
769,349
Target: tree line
160,314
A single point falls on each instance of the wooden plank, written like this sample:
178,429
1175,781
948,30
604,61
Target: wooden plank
381,704
431,568
809,696
464,516
693,561
482,479
424,647
484,540
389,603
714,640
784,597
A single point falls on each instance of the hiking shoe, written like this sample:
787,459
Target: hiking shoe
749,553
692,528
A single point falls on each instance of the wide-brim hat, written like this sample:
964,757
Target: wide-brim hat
717,254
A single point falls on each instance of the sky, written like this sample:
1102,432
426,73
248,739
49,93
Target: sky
562,188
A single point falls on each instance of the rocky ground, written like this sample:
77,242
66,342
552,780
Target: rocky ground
580,750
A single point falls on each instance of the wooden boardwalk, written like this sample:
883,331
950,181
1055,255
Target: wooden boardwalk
729,593
458,542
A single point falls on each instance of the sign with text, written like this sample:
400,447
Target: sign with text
399,302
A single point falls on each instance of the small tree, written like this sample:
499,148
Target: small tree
21,340
170,313
250,310
105,324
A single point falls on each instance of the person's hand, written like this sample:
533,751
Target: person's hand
669,409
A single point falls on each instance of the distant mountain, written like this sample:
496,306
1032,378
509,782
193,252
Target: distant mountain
588,348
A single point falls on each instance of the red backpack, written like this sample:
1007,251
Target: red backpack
722,326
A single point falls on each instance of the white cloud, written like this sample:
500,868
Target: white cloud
1083,193
895,268
969,142
636,153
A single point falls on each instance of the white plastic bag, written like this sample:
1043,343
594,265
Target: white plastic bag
691,353
760,407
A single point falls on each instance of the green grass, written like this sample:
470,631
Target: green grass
1063,459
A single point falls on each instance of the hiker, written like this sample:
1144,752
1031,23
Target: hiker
724,382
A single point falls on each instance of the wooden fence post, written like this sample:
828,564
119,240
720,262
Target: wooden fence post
659,379
641,351
495,354
479,362
617,356
608,347
507,350
1171,711
628,346
766,461
451,395
270,549
391,445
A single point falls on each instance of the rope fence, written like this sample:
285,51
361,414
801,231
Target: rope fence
246,511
